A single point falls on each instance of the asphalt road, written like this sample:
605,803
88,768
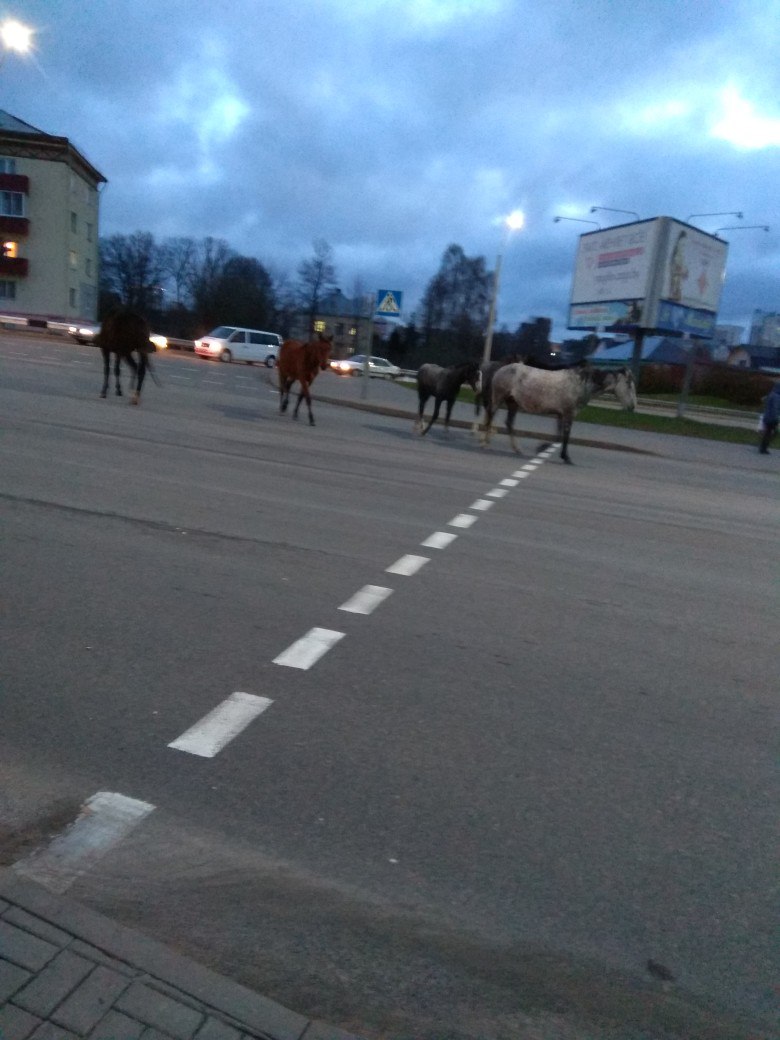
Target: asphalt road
543,760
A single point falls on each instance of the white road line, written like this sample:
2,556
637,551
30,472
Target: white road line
407,565
482,504
463,520
221,725
529,468
439,540
104,820
367,600
307,650
497,493
509,482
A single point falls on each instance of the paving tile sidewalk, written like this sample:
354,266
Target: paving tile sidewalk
68,973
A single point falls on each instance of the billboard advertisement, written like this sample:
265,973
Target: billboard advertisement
658,274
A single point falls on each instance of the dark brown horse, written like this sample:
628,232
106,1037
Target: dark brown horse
300,362
125,334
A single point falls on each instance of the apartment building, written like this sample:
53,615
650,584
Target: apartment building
49,215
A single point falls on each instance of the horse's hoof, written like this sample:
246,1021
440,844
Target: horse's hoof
102,393
135,399
118,393
567,460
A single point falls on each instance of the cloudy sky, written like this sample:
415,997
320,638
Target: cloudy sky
392,128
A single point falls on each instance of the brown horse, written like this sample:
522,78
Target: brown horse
125,333
300,362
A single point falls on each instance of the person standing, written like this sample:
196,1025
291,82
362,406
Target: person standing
770,418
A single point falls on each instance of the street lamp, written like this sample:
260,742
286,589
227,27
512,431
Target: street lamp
744,227
513,222
577,221
607,209
15,37
738,215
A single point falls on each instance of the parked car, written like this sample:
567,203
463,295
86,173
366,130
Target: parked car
355,366
229,343
85,334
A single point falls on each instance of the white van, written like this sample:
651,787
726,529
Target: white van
228,343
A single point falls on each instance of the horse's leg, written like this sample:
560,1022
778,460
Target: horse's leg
422,398
486,430
106,369
435,414
511,412
139,382
307,398
447,413
565,427
134,378
284,393
117,370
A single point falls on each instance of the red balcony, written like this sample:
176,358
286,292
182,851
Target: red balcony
14,226
15,182
14,265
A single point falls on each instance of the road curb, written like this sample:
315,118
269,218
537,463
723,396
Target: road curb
253,1013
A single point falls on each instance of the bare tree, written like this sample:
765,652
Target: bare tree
131,269
208,265
316,277
177,259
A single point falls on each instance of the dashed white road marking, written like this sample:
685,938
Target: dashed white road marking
366,600
439,540
528,468
482,504
407,565
509,482
307,650
463,520
221,725
497,493
104,820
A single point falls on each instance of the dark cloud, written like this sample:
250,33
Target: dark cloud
392,128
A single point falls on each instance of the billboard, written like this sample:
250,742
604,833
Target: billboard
660,275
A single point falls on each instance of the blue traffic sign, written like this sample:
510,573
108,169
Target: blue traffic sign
388,303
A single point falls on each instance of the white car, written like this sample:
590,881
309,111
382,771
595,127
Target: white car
85,334
229,343
379,367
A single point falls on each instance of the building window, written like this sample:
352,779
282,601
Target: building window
7,290
11,204
353,331
89,232
72,297
10,249
74,226
88,268
7,165
74,258
319,326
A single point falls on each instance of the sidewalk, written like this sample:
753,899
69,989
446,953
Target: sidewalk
67,972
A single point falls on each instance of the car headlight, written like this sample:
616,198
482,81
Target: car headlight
159,341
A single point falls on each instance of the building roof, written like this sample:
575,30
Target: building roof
657,350
17,126
28,140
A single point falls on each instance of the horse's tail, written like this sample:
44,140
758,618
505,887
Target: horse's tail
151,371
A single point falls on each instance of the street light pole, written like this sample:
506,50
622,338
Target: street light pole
608,209
738,214
513,222
577,220
743,227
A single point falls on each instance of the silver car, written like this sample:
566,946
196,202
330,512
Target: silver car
379,367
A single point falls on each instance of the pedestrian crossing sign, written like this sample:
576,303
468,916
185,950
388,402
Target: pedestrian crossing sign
388,303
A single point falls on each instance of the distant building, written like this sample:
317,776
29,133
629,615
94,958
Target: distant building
724,339
765,329
49,214
346,320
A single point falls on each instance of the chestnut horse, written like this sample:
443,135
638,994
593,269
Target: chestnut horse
300,362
